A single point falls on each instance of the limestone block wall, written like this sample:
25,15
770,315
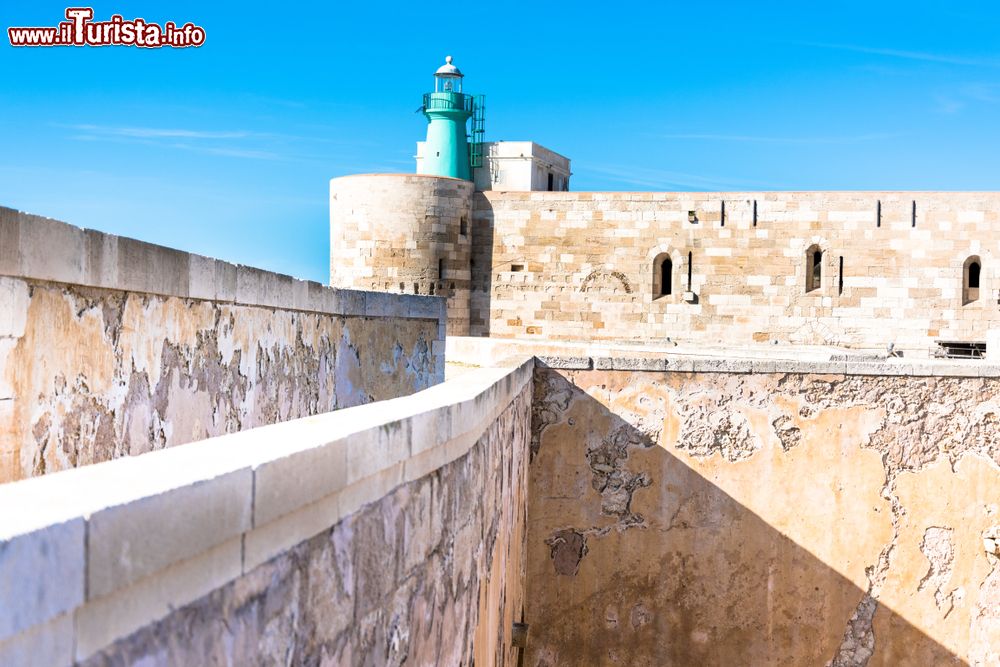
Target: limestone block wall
381,534
112,347
405,234
705,512
585,266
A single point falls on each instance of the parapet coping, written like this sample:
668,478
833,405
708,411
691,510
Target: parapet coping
694,364
688,195
33,247
392,174
90,555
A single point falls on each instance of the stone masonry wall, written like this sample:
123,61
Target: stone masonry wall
582,266
774,518
404,234
381,534
427,575
111,347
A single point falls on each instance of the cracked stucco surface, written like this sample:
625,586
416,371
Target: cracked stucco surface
88,375
939,550
778,519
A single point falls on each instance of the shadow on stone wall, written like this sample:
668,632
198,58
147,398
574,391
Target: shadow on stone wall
430,574
636,559
482,266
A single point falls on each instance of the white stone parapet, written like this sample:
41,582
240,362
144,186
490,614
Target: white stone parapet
38,248
90,555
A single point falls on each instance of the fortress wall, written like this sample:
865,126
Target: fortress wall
406,234
586,266
384,533
706,512
111,347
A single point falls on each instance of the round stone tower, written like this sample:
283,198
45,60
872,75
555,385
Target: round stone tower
404,233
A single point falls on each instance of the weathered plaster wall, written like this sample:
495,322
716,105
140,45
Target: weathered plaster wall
762,518
583,266
121,347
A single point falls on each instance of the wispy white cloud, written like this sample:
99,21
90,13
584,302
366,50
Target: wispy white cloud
925,56
157,133
749,138
966,95
982,92
227,143
660,179
224,143
230,152
947,105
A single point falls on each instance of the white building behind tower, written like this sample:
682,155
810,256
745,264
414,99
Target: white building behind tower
521,166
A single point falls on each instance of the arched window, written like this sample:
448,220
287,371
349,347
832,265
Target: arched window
814,268
663,276
971,274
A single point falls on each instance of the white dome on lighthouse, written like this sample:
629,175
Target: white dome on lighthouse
448,69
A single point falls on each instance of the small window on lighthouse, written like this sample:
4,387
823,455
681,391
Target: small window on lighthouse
448,84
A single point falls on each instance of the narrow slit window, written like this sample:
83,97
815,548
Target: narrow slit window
663,278
689,272
971,278
440,269
754,212
814,268
722,214
551,182
463,226
878,213
913,214
840,276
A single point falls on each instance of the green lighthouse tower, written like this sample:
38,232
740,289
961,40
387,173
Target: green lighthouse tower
448,150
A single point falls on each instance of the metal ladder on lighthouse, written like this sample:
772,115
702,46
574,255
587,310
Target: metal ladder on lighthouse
478,133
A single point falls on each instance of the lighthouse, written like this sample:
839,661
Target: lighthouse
449,150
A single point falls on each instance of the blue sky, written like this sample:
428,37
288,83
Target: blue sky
227,150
